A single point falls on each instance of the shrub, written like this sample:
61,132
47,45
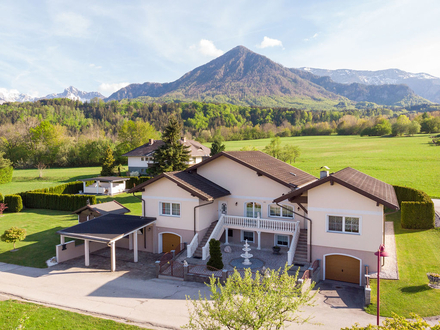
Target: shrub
418,215
215,261
411,194
135,181
6,174
13,235
1,198
14,202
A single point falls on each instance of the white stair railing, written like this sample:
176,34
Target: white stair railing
293,245
216,233
191,248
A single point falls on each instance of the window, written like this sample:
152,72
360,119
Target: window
253,209
281,212
282,240
343,224
142,159
248,235
171,209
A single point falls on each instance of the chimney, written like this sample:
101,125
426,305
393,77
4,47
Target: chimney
151,141
324,172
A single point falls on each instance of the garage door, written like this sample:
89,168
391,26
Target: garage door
170,242
342,268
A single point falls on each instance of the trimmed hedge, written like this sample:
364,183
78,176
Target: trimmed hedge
135,180
417,208
418,215
62,202
1,198
66,188
14,203
6,174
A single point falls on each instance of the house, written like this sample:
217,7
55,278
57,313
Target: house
104,185
249,195
90,212
141,158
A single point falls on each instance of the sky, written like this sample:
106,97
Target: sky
46,46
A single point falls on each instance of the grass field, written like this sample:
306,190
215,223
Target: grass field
406,161
417,254
20,315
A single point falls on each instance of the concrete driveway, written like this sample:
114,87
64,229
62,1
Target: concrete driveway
153,303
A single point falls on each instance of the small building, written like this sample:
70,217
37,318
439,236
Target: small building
141,158
90,212
104,185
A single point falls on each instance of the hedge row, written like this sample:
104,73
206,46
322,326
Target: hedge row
135,180
1,198
6,174
14,203
66,188
418,215
62,202
417,208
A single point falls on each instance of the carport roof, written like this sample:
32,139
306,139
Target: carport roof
107,228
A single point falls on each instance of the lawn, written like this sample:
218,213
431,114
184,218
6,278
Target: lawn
23,180
406,161
417,254
20,315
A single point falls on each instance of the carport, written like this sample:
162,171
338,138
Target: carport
106,229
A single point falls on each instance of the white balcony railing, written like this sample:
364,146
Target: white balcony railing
191,248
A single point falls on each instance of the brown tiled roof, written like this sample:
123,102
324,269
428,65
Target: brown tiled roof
196,149
366,185
196,184
103,208
266,165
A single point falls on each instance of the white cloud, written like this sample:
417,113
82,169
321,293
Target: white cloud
269,42
95,66
108,89
207,47
313,37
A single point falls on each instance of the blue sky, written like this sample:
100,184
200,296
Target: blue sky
46,46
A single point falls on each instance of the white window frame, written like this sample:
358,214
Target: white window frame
249,231
275,240
171,209
343,224
253,209
281,211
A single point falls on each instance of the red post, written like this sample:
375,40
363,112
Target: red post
378,286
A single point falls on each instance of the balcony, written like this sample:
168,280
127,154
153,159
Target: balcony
259,224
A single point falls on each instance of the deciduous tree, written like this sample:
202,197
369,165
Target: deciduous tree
217,147
13,235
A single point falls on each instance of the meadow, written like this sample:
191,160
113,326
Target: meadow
406,161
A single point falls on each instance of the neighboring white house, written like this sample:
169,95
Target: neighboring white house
268,202
141,158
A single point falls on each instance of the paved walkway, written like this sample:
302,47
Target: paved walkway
437,211
389,270
152,303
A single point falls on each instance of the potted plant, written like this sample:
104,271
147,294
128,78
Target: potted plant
276,249
434,279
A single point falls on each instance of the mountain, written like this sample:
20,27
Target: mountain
13,95
390,94
240,76
74,94
423,84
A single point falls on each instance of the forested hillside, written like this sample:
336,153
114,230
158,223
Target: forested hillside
62,132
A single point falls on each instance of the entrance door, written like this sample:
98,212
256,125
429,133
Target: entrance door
342,268
222,208
170,242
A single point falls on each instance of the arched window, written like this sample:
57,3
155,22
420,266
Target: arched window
253,209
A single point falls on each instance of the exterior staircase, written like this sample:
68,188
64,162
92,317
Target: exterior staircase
301,249
198,253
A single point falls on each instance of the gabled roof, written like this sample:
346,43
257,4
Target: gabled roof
196,149
379,191
266,165
106,179
113,207
195,184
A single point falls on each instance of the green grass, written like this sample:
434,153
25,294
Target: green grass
418,253
406,161
23,180
21,315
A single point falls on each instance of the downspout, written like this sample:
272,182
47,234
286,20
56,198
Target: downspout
145,228
143,202
195,207
307,218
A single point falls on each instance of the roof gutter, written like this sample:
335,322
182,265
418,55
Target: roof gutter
303,216
195,207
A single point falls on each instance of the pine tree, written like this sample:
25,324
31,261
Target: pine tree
172,155
215,261
217,147
108,163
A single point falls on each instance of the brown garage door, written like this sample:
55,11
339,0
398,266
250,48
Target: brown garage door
170,242
342,268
